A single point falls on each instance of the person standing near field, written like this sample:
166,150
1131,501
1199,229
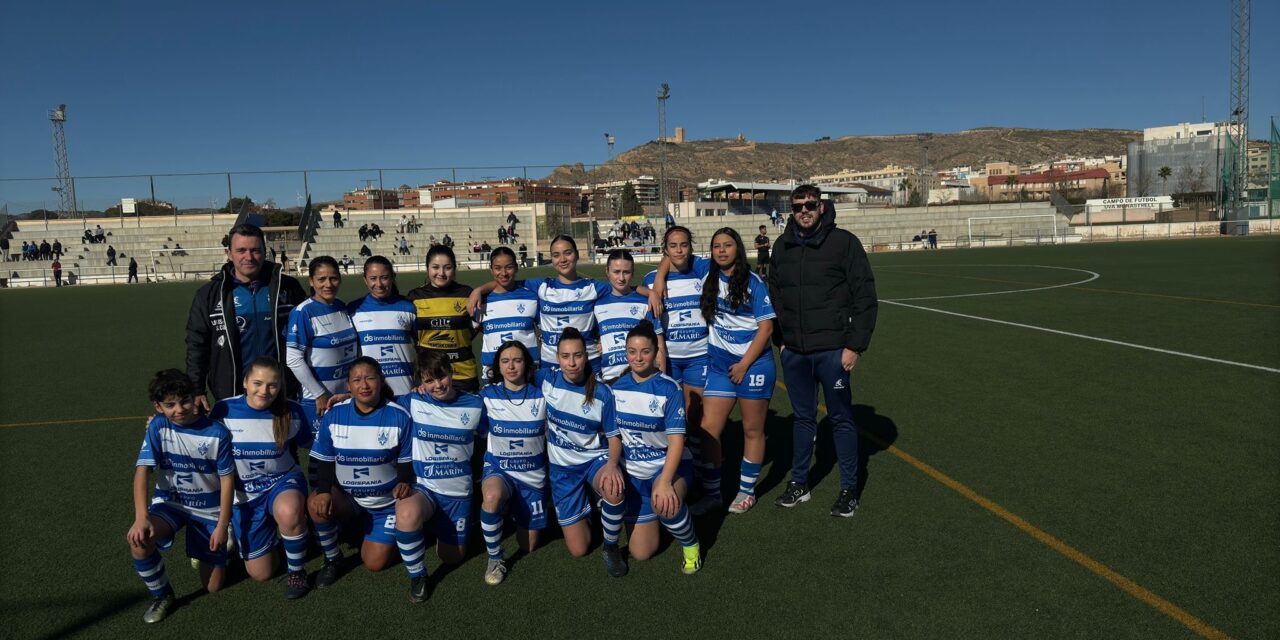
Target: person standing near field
824,293
259,298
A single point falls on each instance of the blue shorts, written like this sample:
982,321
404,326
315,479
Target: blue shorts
199,532
757,384
379,524
450,516
690,372
569,486
526,504
253,523
640,494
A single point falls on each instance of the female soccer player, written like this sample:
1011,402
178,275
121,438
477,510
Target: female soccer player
650,414
364,451
321,341
617,312
385,324
509,313
195,482
446,422
735,303
515,462
677,291
266,430
584,449
444,322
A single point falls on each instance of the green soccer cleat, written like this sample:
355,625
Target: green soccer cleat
692,559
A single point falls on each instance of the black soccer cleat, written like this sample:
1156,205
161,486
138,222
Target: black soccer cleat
418,589
295,585
327,575
614,563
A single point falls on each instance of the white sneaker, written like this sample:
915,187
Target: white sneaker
742,503
495,572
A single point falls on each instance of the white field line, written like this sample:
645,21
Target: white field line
1092,276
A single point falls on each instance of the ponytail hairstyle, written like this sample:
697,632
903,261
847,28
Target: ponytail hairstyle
387,394
279,408
322,261
395,290
589,386
739,290
503,251
495,375
644,329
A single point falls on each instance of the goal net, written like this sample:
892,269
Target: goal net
1032,228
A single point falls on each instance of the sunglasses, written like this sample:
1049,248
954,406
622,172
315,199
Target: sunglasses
797,207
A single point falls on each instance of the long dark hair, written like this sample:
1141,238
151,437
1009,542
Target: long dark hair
666,235
395,290
495,376
387,394
442,250
504,251
739,289
644,329
280,414
588,387
322,261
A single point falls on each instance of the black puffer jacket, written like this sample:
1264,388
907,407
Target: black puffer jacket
213,344
822,288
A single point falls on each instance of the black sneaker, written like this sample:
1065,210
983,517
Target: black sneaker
159,608
327,575
418,589
794,495
614,564
295,585
845,505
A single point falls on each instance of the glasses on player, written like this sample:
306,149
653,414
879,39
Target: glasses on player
810,205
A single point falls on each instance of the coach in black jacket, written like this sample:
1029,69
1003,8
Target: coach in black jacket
258,297
825,296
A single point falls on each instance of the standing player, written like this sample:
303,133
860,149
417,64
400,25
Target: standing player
650,415
617,312
363,452
584,449
195,482
446,423
510,311
762,252
677,285
515,462
321,340
266,430
735,303
444,323
385,324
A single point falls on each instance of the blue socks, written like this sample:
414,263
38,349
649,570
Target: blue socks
295,551
327,535
681,527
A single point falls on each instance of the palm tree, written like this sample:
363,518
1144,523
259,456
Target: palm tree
1009,182
1164,174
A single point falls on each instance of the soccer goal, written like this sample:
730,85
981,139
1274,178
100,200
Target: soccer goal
181,263
1004,230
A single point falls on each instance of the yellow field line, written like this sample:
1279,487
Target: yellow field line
84,421
1075,555
1093,289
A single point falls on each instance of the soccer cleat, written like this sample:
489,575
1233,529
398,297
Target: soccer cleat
794,495
418,589
327,575
706,504
195,564
614,564
495,572
295,585
845,505
742,503
159,608
692,559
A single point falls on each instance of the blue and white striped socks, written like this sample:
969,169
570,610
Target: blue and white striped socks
611,520
747,476
681,527
295,551
413,549
151,570
491,525
327,535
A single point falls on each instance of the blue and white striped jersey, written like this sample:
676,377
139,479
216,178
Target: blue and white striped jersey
189,462
259,462
647,412
387,334
366,449
734,329
517,425
567,305
325,335
577,433
615,316
686,331
506,317
444,437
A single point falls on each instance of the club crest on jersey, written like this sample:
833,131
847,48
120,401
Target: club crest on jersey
635,311
466,418
536,407
383,438
520,308
697,286
458,308
203,448
653,405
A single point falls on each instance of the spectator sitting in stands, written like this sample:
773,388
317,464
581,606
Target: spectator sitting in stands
178,250
87,237
57,248
447,241
46,251
404,246
502,235
404,222
364,232
511,233
375,231
524,255
414,227
475,247
485,248
99,235
23,255
364,251
431,240
346,263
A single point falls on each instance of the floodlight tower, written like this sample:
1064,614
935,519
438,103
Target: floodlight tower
608,139
1238,127
925,178
66,187
664,92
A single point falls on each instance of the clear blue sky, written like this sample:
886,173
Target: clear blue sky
245,86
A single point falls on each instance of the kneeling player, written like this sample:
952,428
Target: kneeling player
195,480
649,411
515,462
267,429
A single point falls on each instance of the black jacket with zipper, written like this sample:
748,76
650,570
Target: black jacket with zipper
214,361
823,290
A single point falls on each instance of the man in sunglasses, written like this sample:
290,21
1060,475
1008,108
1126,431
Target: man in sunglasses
825,296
